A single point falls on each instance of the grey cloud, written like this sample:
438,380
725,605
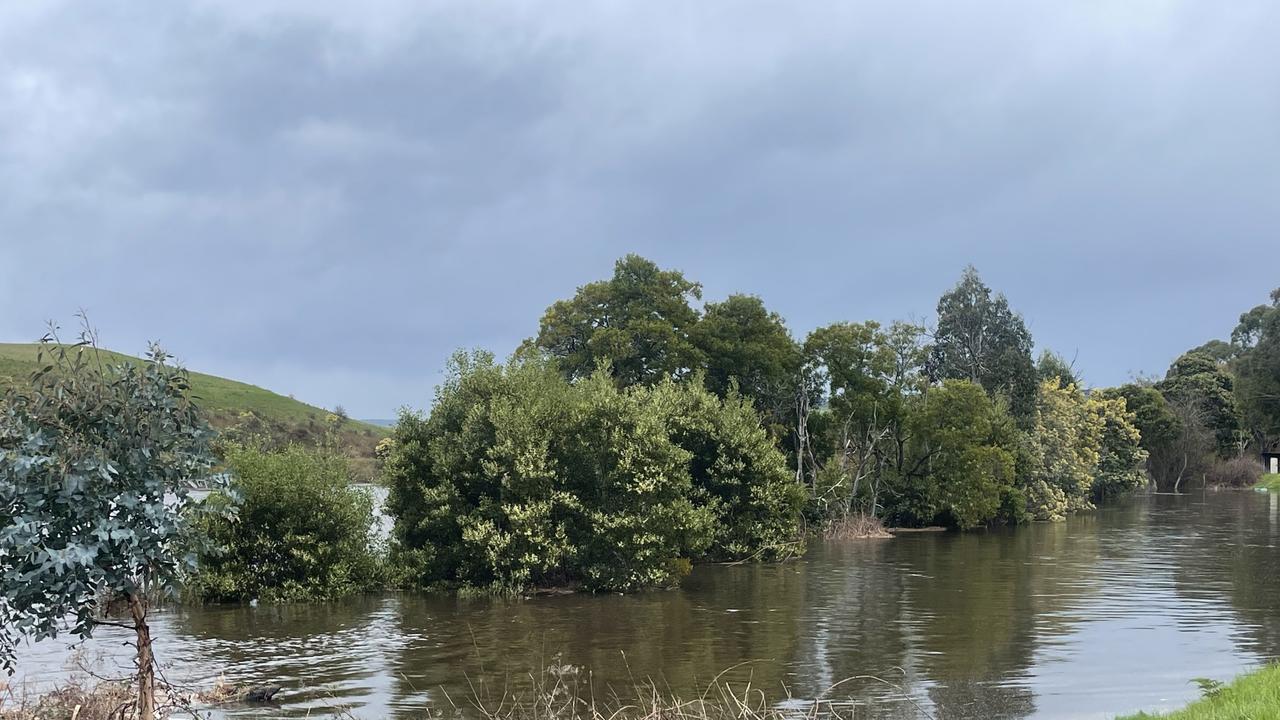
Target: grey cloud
327,198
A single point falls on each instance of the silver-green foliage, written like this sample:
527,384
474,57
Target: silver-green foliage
94,460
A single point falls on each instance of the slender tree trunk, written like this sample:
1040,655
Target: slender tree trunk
146,660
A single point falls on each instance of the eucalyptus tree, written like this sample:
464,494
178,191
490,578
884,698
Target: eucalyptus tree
94,464
1257,370
980,339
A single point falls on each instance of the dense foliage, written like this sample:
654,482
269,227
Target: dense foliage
301,531
639,323
874,421
979,338
93,463
519,478
969,442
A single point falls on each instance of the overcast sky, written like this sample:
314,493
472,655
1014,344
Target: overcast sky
327,198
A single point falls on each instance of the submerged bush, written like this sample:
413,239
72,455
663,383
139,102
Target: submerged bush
301,531
1065,446
1121,457
1236,472
966,442
521,478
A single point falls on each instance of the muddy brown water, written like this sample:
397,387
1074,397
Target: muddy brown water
1108,612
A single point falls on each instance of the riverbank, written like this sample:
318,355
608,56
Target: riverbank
1270,483
1255,695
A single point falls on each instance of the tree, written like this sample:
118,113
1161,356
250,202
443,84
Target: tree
965,439
742,342
94,460
1052,366
1157,424
1203,384
1257,370
520,478
866,375
638,323
301,532
978,338
1065,441
1121,458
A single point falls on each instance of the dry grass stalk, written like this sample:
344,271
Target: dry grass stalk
856,526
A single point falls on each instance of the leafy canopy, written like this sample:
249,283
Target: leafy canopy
638,323
301,531
519,478
978,338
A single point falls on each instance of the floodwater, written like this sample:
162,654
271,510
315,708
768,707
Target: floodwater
1108,612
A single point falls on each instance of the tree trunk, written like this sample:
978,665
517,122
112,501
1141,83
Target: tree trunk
146,660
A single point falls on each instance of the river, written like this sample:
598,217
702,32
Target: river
1105,613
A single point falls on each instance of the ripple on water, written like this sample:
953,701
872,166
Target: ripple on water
1101,614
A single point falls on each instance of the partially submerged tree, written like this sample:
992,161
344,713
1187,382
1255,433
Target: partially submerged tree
1207,389
94,464
1065,444
518,478
964,441
1121,457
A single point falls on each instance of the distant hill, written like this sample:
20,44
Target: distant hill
226,402
380,422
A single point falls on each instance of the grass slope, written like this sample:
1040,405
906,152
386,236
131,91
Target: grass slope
224,400
1249,697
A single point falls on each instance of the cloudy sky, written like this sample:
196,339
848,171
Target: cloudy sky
327,198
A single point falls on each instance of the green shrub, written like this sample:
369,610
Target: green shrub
965,442
301,532
520,478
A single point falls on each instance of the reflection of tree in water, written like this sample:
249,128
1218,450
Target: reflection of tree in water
680,639
1233,551
851,628
976,603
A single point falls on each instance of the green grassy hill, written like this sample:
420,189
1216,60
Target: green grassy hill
226,402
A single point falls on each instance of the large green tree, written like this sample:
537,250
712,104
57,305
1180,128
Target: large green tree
1257,370
638,323
742,342
965,443
980,339
1203,384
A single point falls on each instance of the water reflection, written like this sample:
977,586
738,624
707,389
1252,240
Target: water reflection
1105,613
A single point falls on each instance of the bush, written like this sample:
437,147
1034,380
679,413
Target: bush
1236,472
1065,444
301,531
519,478
1121,457
966,442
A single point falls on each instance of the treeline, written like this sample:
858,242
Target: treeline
1217,408
636,433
